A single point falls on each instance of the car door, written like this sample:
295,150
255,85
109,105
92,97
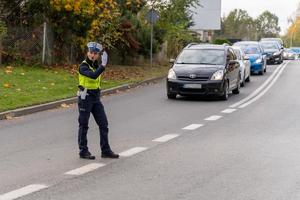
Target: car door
233,69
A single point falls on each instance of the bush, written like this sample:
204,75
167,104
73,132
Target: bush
221,41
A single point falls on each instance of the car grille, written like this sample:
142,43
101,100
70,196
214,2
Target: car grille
197,78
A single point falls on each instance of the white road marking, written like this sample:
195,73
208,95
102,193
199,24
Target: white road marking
213,118
253,94
22,191
264,91
132,151
85,169
165,138
192,127
230,110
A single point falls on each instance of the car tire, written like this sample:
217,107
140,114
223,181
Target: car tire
244,80
226,91
171,96
248,79
237,89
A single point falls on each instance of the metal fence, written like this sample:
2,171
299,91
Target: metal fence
35,45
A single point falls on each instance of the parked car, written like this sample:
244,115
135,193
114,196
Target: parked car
296,50
245,64
289,54
204,70
256,54
279,40
273,50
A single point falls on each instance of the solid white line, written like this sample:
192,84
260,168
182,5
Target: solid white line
85,169
132,151
213,118
165,138
258,89
229,111
192,127
264,91
22,191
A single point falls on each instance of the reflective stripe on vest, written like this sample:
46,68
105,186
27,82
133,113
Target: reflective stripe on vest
89,83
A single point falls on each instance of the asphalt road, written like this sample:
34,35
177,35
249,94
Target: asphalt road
244,148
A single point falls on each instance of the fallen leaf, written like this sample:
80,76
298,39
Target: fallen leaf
8,71
19,89
44,88
52,84
23,74
7,85
65,105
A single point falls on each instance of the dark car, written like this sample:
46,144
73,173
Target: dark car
204,70
273,50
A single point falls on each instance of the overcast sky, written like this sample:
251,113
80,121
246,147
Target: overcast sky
282,8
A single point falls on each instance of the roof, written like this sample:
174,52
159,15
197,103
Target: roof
205,46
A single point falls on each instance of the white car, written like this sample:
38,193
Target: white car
245,65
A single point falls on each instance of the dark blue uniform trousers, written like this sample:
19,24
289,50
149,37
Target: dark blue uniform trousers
92,104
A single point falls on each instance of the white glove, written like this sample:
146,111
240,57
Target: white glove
104,58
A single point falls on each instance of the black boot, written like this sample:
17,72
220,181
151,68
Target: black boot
109,154
87,155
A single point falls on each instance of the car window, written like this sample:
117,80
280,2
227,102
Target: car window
238,54
269,45
201,56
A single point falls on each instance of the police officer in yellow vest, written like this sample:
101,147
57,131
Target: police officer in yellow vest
90,72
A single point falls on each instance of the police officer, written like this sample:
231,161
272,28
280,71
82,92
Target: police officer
90,72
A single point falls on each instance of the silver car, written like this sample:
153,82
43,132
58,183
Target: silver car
245,65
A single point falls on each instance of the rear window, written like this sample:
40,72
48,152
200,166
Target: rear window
269,45
201,56
249,48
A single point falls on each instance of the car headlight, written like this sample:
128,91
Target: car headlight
259,60
218,75
276,53
171,74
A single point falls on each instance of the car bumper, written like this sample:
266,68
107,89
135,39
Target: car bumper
192,87
273,59
257,67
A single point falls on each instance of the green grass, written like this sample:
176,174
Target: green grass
23,86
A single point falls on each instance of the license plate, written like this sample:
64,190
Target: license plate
193,86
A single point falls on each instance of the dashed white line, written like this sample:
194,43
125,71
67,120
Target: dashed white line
192,127
229,110
22,191
85,169
213,118
132,151
165,138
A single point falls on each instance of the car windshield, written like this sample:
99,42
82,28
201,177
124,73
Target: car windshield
201,56
269,46
250,48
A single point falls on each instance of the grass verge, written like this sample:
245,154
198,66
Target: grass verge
22,86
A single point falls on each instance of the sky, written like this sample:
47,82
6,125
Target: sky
282,8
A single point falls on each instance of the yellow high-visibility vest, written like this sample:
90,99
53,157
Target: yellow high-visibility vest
89,83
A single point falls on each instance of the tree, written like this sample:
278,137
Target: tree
267,25
238,25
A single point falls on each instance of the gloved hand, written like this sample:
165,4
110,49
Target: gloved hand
104,58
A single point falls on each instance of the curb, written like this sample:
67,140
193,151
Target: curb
55,104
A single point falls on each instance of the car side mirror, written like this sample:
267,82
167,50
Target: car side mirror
246,57
172,61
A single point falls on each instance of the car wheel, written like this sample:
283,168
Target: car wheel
244,80
226,91
237,89
248,78
171,96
